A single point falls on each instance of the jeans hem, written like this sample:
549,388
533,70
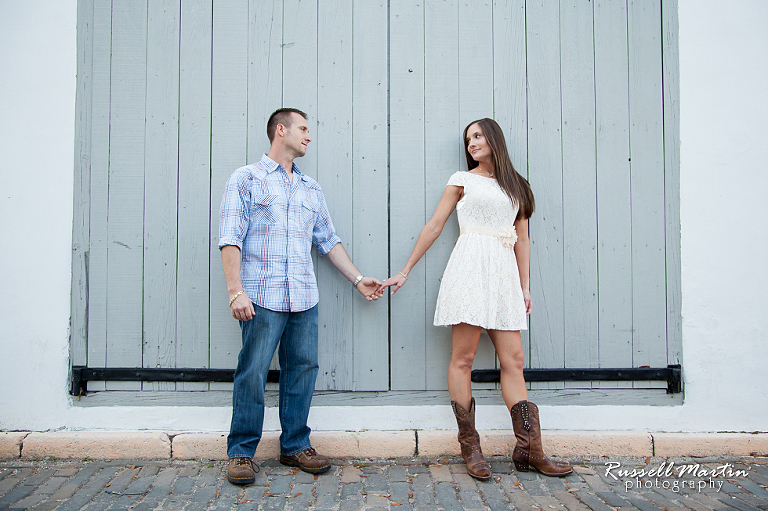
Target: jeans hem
234,456
296,452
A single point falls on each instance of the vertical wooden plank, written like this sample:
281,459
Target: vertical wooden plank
407,182
160,187
647,182
546,178
195,201
299,73
509,78
99,188
229,126
671,80
476,59
580,192
265,70
614,218
443,154
126,187
81,203
334,150
370,145
510,102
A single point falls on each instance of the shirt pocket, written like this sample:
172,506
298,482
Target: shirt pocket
309,210
263,209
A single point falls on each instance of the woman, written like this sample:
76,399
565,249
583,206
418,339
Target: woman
486,285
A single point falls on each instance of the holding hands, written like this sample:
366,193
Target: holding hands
396,280
370,288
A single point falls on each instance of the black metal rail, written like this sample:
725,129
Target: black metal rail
81,375
671,374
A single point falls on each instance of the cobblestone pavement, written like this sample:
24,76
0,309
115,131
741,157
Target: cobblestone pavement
396,484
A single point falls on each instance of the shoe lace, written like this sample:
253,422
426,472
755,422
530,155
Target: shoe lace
247,461
310,451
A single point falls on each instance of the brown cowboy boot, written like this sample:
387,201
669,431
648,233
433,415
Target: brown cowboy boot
528,452
470,442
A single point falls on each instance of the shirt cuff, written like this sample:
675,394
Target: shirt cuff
223,242
326,246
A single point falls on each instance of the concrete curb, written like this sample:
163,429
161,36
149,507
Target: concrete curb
10,444
556,443
336,444
598,443
710,444
213,446
373,444
365,444
97,445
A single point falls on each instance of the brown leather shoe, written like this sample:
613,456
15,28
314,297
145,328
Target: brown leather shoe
308,460
241,471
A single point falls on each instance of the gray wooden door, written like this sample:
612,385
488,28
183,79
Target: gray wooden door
173,95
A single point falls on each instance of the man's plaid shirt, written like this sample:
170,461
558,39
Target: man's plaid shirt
275,223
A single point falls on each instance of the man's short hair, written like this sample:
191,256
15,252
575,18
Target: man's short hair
281,116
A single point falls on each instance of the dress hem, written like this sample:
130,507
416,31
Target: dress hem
483,326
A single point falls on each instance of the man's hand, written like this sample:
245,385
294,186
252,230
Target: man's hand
370,288
242,308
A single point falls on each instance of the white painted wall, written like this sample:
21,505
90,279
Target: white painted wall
37,112
724,179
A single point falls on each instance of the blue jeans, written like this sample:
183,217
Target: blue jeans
296,332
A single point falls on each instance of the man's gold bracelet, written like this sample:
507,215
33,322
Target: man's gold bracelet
235,297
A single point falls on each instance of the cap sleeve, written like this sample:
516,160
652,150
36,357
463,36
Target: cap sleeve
457,179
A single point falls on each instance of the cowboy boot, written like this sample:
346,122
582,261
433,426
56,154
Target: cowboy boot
470,441
528,452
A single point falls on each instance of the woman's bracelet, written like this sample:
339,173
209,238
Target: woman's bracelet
404,276
235,297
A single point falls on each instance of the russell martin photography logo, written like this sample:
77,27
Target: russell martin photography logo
668,475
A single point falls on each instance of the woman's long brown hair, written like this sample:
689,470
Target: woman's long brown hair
515,185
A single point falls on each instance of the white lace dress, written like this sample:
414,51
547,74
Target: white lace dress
481,283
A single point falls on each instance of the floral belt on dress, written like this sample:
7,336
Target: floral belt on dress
508,238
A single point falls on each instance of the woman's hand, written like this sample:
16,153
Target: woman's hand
528,304
396,280
370,288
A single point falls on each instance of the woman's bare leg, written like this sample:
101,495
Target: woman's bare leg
509,349
465,339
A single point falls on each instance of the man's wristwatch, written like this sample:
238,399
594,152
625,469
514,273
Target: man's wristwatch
357,281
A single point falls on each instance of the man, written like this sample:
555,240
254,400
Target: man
271,215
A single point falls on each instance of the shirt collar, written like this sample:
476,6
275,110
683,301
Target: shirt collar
272,165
